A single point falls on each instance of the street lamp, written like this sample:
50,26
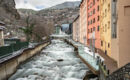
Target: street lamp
92,42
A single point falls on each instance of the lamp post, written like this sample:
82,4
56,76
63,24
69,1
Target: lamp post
93,43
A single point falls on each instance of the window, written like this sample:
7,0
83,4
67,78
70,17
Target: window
98,28
88,23
108,45
91,21
101,43
108,7
93,28
127,10
98,18
98,8
93,11
105,27
93,2
94,20
105,12
108,24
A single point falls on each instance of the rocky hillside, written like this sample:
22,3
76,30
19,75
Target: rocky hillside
9,15
26,11
8,11
66,5
59,14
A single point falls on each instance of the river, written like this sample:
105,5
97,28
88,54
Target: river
57,61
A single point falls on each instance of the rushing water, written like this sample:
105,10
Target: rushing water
57,62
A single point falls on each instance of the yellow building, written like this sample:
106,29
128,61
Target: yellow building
105,21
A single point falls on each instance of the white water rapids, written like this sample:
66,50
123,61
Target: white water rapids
57,62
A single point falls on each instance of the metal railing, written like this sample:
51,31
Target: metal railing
8,50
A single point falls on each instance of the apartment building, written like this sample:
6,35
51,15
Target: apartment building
105,23
76,29
83,22
114,31
93,36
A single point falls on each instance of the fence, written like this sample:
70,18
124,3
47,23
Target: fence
7,50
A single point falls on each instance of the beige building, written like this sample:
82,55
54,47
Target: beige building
1,33
83,22
76,29
120,32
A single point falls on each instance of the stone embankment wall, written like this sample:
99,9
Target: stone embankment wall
8,67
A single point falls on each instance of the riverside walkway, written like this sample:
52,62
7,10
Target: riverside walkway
86,55
92,62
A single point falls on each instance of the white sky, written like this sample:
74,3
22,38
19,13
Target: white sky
38,4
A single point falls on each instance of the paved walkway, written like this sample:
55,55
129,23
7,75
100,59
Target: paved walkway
110,63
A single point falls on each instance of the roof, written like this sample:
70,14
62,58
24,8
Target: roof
81,3
2,23
76,18
2,27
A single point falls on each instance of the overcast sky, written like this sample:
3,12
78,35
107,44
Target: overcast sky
38,4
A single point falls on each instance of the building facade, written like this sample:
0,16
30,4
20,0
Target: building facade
76,29
114,21
2,33
120,31
93,38
105,26
83,22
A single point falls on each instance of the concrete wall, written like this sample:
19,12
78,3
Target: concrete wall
9,67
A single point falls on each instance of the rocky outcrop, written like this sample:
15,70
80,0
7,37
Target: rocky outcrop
7,10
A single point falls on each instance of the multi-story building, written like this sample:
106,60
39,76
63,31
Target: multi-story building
93,38
105,23
76,29
83,22
1,33
114,22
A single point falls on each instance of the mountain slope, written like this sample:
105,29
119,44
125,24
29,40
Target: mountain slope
46,19
27,11
66,5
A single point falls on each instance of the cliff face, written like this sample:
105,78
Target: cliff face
7,10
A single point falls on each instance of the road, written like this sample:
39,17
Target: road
57,62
